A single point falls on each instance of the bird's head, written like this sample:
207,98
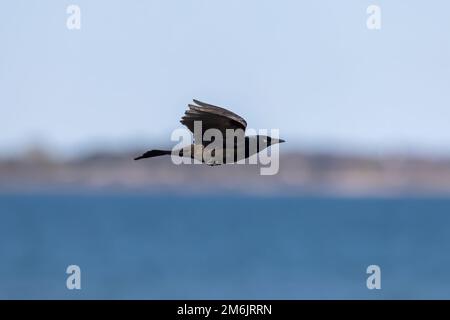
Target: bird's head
269,140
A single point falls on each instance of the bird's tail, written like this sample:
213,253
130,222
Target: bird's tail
153,153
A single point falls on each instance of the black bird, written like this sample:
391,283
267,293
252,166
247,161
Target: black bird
221,119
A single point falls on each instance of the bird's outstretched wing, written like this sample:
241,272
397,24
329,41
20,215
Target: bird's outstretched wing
212,117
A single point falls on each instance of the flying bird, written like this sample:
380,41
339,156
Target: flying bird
212,151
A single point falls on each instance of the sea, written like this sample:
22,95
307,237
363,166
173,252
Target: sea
164,246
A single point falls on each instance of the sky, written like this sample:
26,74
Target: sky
311,69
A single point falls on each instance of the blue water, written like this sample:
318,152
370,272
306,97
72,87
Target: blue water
162,247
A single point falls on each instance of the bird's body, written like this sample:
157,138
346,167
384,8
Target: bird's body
219,137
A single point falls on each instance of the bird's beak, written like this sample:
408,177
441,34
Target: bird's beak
281,141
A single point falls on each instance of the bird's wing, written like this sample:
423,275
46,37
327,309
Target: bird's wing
212,117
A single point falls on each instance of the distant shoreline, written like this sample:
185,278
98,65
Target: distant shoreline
301,174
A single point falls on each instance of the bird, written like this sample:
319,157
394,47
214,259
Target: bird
220,121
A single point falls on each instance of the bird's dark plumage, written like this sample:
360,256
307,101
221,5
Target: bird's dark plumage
153,153
212,117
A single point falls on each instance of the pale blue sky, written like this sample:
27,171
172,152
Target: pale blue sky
310,68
